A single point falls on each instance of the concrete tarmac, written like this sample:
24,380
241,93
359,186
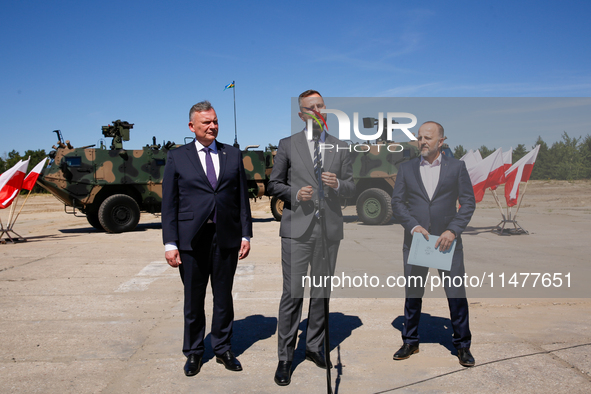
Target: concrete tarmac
83,311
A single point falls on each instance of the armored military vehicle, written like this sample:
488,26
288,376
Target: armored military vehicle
111,186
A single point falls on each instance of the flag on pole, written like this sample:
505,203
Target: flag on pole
507,160
230,85
486,173
11,182
30,180
519,172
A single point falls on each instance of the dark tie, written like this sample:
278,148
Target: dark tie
210,175
209,167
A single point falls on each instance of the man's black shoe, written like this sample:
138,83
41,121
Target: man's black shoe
283,373
317,358
193,365
406,351
229,361
465,357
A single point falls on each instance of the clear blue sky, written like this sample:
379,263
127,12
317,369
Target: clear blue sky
76,66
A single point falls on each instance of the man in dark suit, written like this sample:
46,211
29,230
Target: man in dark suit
206,228
294,180
424,201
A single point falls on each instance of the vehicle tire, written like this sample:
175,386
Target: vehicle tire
119,213
277,208
94,221
374,207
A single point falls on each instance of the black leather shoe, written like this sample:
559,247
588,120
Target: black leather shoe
465,357
317,358
229,361
406,351
193,365
283,373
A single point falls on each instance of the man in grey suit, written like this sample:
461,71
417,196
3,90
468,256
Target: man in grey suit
294,179
424,201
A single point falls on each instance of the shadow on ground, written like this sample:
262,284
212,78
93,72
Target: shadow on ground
432,329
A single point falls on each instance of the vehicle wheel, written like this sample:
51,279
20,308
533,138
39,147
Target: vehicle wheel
94,221
374,207
119,213
277,208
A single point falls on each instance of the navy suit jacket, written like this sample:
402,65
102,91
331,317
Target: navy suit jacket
188,199
412,207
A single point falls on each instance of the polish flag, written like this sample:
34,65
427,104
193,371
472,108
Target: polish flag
471,159
519,172
11,182
30,180
487,173
507,159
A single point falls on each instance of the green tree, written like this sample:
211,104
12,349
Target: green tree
484,151
519,152
585,149
459,152
545,164
569,160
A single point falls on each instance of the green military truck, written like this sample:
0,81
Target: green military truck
111,186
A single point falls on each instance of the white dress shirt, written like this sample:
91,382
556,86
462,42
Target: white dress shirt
430,177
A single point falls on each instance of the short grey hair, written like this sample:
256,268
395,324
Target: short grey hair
201,106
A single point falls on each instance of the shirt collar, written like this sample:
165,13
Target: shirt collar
436,162
213,146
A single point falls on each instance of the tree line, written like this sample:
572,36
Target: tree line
13,157
567,159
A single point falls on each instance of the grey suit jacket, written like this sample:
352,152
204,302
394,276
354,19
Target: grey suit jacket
412,207
293,169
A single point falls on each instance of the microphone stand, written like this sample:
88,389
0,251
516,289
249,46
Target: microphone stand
325,258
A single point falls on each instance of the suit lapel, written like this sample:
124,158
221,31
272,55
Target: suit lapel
222,158
443,169
417,171
329,154
301,144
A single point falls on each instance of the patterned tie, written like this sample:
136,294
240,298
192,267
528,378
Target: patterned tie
210,175
209,167
317,161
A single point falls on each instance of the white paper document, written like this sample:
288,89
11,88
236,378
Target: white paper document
423,252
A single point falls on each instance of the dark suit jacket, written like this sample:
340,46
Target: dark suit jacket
293,169
188,199
412,207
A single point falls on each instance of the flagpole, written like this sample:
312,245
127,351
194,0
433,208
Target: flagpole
235,129
12,209
494,193
19,211
520,200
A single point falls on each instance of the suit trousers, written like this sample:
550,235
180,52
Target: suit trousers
296,256
207,260
456,299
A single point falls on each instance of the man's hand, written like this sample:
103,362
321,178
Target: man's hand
445,240
330,179
173,258
244,250
421,229
305,193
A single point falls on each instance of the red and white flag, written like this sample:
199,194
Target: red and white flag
507,160
30,180
487,173
519,172
11,182
471,159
